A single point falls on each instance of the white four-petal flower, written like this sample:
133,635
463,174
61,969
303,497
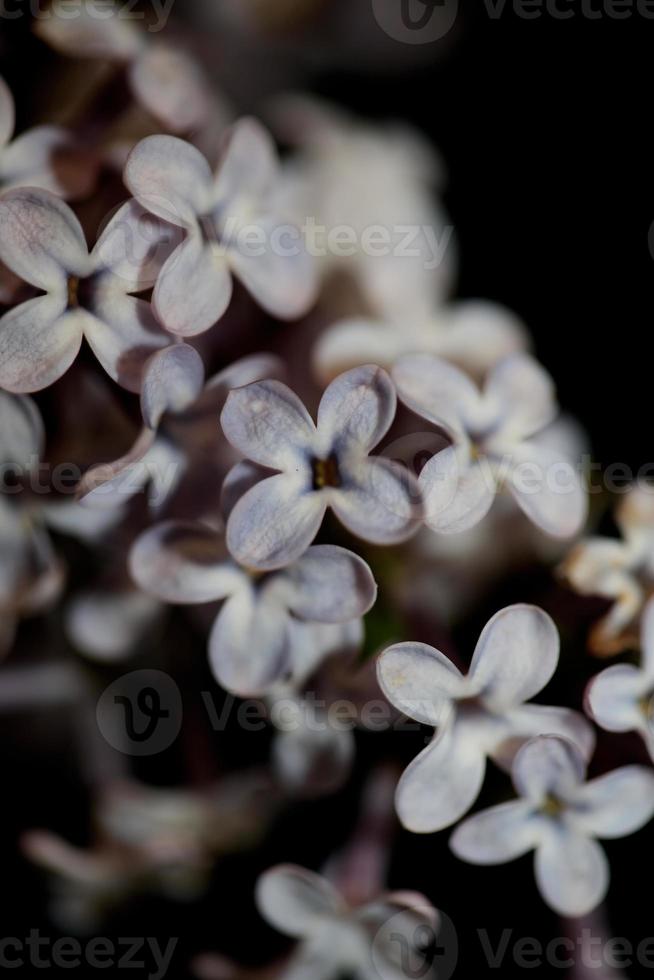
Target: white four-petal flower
559,816
480,714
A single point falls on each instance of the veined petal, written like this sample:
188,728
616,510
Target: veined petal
38,343
515,657
194,287
7,115
436,390
572,873
548,488
249,645
548,766
172,381
419,681
274,523
357,408
329,584
613,698
241,478
169,84
134,246
267,423
184,562
521,394
295,900
379,501
616,804
501,833
457,495
249,164
42,241
170,178
442,783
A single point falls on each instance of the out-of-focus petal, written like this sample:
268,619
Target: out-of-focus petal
329,584
267,423
548,766
249,163
420,681
477,334
169,84
357,408
348,343
522,395
572,873
380,501
7,115
109,485
107,626
294,900
274,523
528,720
134,246
38,343
616,804
172,380
170,178
457,495
515,656
436,390
194,287
614,696
183,562
498,834
548,488
96,31
248,645
647,639
47,157
22,435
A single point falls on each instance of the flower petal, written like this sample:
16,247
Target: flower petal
313,760
42,240
647,638
22,435
442,783
521,394
107,626
169,84
274,523
613,698
379,500
38,343
172,381
528,720
548,766
7,114
353,341
170,178
249,162
329,584
134,246
109,485
267,423
419,681
616,804
194,288
294,900
90,32
477,334
548,488
501,833
436,390
457,496
357,408
248,645
183,562
515,657
572,873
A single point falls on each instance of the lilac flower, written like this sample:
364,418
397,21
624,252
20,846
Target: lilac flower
621,698
321,465
84,295
619,569
479,714
559,816
250,643
45,157
335,938
494,437
222,215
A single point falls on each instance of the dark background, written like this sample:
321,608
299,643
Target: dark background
545,129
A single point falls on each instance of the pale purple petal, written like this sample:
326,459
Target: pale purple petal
457,495
515,657
357,408
436,390
521,394
42,241
248,645
329,584
478,334
572,873
499,834
172,381
108,626
614,698
241,478
528,720
647,639
548,488
169,84
47,157
419,681
109,485
194,287
274,523
7,117
249,163
348,343
442,783
90,33
379,501
38,343
134,246
616,804
548,766
22,435
183,562
170,178
294,900
267,423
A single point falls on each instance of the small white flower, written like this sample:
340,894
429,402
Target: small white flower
479,714
619,569
232,225
335,938
251,643
494,442
321,465
621,698
85,295
559,816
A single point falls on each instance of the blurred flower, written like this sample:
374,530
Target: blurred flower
559,816
493,444
480,714
621,570
85,295
323,465
232,225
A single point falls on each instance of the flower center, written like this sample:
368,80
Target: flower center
552,807
73,292
325,472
